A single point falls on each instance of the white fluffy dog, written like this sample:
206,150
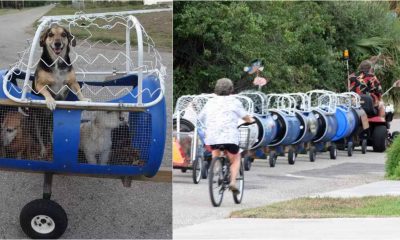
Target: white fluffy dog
96,136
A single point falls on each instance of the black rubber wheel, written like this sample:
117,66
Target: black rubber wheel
364,145
272,159
247,163
312,154
215,182
43,219
349,149
183,170
379,138
291,156
204,169
196,170
237,198
332,152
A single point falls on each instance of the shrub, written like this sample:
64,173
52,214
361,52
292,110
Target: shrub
393,160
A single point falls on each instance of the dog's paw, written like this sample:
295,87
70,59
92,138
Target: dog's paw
51,104
43,152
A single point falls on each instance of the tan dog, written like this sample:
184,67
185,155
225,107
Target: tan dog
55,69
16,140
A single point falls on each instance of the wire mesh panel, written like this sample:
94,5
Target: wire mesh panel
302,101
322,99
26,133
247,136
114,138
247,102
344,101
354,98
188,108
186,144
259,100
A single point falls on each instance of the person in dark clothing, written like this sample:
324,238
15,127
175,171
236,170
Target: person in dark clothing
365,82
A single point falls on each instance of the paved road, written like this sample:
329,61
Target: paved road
263,185
97,208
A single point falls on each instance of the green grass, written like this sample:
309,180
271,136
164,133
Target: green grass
379,206
157,25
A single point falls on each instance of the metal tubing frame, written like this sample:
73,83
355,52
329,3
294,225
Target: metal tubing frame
139,104
257,94
329,94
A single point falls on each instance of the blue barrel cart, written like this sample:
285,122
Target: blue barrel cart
262,133
288,127
350,128
323,106
127,108
308,128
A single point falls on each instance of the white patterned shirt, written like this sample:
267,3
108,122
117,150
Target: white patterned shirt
220,117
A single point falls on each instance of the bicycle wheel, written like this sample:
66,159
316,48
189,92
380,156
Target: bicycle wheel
216,182
239,184
197,167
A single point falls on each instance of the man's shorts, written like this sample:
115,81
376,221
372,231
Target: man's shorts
229,147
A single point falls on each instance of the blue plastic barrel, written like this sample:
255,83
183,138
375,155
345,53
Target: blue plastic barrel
358,113
267,130
346,123
308,126
327,126
288,127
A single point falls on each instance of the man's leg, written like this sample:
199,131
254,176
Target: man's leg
235,165
215,153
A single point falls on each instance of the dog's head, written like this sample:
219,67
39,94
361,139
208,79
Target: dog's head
57,40
109,119
11,126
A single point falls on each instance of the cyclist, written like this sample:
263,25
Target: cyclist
220,117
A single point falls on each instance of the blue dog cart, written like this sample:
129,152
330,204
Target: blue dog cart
282,108
120,133
323,105
308,130
265,129
350,102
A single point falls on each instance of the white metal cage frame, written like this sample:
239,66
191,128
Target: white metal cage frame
247,102
259,100
282,102
323,100
355,99
344,101
302,101
130,60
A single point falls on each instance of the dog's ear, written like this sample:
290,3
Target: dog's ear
43,37
71,39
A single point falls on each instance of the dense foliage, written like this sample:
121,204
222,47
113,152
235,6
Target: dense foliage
301,43
393,160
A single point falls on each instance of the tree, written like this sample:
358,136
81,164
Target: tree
301,43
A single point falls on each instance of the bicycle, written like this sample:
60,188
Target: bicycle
219,179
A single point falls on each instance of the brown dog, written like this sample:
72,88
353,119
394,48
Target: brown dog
54,71
16,139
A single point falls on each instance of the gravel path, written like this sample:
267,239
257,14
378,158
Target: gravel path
97,208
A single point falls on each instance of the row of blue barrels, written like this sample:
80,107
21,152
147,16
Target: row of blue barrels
304,123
